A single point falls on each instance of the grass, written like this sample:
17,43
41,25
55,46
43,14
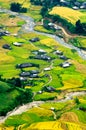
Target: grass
7,100
79,42
40,28
33,115
56,105
55,125
80,115
8,22
34,12
45,96
62,79
69,14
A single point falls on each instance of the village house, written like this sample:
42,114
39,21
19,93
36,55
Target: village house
54,26
75,7
34,71
25,74
39,52
23,78
65,64
30,74
17,44
33,76
64,3
58,52
4,33
47,69
43,57
40,92
34,39
77,4
7,46
49,89
24,65
83,6
63,57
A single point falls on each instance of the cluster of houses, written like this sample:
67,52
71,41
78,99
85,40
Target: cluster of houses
54,26
30,74
49,89
41,55
8,46
66,63
76,4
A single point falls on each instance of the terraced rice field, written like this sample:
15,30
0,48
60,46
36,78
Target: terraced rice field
69,14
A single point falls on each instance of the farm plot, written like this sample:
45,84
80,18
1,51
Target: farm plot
69,14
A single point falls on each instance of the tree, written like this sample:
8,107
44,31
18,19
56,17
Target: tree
77,101
16,7
79,28
44,11
25,96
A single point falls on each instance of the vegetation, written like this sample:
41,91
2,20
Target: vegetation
55,107
17,7
11,96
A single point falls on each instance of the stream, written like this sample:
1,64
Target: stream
29,27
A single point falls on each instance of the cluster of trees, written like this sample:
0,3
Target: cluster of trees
16,7
57,19
8,87
46,3
80,27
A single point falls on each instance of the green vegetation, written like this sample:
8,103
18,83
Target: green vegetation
54,84
29,117
16,7
11,96
78,42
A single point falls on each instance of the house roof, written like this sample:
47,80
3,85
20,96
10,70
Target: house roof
65,64
34,72
24,65
6,46
58,52
49,89
63,57
33,76
75,7
46,69
34,39
17,44
43,57
25,74
40,50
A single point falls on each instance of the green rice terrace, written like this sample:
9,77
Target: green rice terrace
42,70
